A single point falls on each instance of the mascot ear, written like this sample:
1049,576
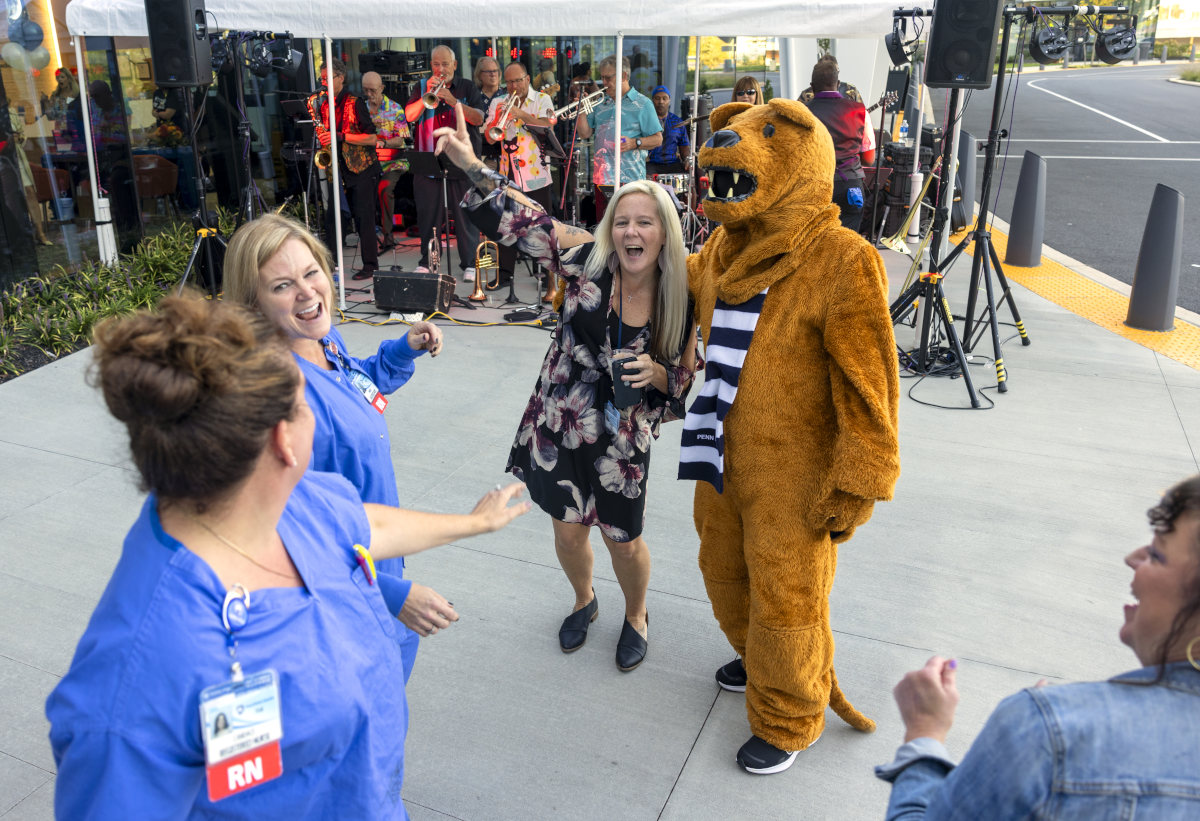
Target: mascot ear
725,113
793,110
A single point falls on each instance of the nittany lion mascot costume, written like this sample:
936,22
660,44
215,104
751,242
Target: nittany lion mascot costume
794,436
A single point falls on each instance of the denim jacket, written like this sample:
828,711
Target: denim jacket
1092,751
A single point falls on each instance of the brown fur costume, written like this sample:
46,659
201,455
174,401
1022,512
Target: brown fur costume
810,441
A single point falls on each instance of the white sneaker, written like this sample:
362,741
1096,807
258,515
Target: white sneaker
469,275
420,269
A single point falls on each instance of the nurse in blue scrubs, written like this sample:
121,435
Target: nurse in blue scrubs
275,265
242,662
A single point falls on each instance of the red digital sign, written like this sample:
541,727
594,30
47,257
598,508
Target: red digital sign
515,52
550,53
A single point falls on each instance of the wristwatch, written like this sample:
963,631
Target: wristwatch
638,142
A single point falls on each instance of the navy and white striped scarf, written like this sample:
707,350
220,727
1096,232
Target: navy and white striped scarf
702,450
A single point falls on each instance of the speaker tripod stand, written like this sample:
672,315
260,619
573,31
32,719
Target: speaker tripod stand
927,291
204,254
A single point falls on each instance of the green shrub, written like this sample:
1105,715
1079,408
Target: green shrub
56,312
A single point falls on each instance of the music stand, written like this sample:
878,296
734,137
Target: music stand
428,164
298,111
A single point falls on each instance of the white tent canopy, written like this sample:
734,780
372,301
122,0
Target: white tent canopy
371,18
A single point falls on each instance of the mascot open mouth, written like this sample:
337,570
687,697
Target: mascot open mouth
730,184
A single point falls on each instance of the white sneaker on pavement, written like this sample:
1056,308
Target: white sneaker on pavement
420,269
469,275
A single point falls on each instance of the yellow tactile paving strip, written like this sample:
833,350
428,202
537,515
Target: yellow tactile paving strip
1095,302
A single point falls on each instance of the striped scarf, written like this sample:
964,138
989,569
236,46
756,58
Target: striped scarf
702,449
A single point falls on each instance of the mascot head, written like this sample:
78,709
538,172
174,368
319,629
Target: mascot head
762,158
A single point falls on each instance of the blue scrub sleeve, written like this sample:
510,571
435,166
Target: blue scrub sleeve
391,366
395,591
102,774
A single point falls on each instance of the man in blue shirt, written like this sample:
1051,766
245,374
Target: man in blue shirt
669,157
640,128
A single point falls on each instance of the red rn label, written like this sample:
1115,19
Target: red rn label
244,771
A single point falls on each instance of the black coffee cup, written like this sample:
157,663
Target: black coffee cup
623,394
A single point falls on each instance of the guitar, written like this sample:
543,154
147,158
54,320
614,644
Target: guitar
887,99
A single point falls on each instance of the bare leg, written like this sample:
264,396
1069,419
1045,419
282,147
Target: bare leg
35,215
576,558
631,563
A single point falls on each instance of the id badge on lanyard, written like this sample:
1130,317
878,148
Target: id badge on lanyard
240,719
360,381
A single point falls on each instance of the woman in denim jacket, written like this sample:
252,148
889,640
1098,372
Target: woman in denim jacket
1124,748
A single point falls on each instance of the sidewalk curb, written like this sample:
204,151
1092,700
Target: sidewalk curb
1097,276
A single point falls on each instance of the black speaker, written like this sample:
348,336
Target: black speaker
410,291
179,48
961,52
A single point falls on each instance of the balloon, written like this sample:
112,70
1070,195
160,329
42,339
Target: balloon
32,36
14,55
39,57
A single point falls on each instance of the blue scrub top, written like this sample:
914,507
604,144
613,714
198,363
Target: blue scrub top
125,720
351,436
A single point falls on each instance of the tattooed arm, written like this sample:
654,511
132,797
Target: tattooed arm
455,143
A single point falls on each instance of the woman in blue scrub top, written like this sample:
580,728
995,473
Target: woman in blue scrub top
278,267
244,589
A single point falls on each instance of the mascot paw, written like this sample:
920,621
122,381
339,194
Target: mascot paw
841,513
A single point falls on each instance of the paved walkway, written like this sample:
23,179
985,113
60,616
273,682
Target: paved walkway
1003,546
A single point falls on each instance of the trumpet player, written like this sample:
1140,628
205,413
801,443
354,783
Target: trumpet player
359,167
640,130
521,157
445,90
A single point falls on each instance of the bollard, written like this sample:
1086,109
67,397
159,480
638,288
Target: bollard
1192,56
1156,278
1028,214
967,154
1163,59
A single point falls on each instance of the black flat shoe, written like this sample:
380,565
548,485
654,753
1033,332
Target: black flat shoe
365,273
574,630
631,647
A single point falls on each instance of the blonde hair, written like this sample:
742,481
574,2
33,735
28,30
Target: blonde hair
255,243
745,82
669,320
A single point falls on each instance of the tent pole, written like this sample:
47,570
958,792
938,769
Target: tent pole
695,110
618,93
335,198
106,241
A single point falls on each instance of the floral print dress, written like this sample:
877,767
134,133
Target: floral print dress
574,468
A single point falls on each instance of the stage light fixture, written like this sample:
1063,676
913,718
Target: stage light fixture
895,47
1116,45
1049,44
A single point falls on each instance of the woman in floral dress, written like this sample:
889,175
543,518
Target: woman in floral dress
583,457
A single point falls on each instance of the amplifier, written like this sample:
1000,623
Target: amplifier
409,292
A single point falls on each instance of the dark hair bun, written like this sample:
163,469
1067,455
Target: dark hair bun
198,384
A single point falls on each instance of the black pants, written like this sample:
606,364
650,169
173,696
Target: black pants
665,168
360,194
508,253
851,213
427,191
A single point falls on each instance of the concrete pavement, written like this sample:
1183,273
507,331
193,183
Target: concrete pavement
1003,547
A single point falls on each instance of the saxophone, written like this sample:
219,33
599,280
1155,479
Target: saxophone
317,107
357,157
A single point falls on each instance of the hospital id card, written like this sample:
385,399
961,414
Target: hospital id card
363,384
241,726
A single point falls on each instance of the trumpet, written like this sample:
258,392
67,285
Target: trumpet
434,251
588,104
495,131
487,260
430,97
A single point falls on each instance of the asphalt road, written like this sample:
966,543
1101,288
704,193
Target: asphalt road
1108,136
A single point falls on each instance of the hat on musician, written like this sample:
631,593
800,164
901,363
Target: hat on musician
663,89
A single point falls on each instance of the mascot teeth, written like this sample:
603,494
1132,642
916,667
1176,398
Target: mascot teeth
735,179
